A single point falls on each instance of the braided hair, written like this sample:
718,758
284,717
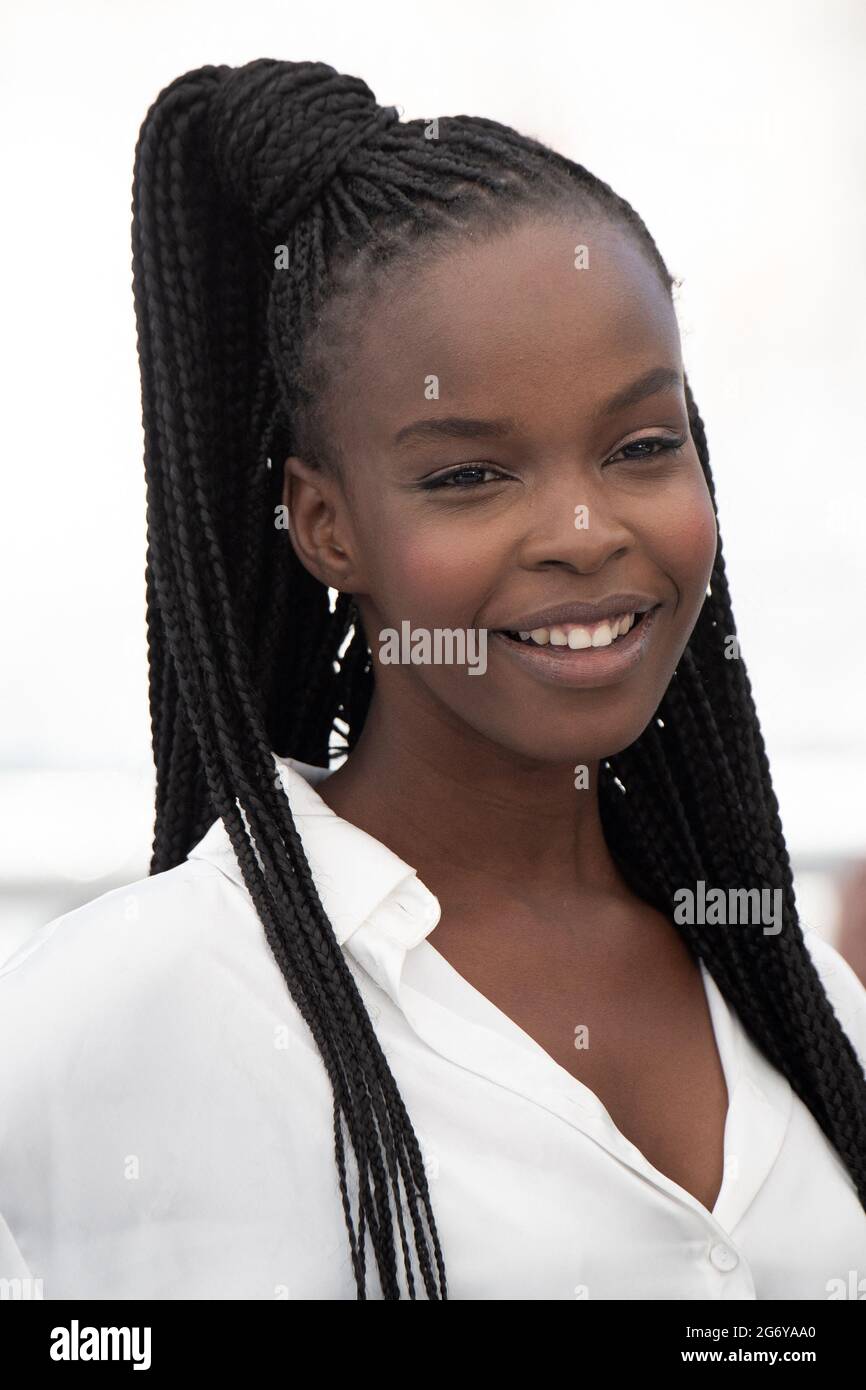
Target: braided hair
269,203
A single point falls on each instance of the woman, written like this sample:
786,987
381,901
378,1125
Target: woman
436,369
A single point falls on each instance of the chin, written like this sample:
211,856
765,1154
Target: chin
565,743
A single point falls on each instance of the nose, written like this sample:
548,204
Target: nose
574,524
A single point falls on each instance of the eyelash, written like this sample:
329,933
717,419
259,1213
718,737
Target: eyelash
666,446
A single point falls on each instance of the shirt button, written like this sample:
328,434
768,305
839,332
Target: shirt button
722,1257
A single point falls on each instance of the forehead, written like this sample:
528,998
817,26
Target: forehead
508,325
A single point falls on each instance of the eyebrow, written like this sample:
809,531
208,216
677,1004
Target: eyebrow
455,427
465,427
657,379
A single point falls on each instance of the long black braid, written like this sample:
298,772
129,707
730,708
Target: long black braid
270,202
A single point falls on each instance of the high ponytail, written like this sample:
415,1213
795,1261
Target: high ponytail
200,297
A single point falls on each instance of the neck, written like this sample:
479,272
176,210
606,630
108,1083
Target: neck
460,809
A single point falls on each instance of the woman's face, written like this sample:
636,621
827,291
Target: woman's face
515,440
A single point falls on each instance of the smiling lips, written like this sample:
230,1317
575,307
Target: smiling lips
578,635
608,642
578,625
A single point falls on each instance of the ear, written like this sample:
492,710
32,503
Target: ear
318,523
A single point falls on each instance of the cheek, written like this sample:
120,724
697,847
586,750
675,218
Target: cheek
433,574
684,539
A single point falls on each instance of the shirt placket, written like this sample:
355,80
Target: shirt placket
755,1124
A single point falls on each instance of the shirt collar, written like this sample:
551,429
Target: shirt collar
354,873
379,907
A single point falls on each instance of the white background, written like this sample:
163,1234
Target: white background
737,130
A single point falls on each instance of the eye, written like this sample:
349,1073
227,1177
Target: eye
457,478
659,445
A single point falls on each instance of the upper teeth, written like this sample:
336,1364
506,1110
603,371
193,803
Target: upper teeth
577,635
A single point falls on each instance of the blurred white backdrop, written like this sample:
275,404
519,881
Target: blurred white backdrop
737,130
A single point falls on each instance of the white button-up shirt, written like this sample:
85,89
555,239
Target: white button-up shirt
166,1121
